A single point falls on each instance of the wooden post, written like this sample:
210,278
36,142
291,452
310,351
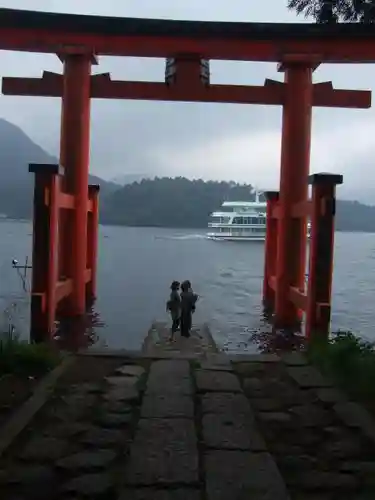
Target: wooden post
318,313
44,251
270,252
295,159
75,125
92,241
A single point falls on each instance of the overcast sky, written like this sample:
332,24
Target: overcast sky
217,141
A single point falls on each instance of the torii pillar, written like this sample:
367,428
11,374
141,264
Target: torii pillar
74,156
294,172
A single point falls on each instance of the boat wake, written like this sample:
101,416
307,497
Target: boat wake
183,237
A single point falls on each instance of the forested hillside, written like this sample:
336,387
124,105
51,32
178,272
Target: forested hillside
183,203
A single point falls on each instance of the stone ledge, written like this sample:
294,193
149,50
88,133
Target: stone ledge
294,358
307,377
255,358
354,415
21,418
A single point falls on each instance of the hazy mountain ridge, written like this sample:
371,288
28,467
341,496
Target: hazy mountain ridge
184,203
177,202
17,150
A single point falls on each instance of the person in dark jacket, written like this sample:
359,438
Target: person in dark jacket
188,300
174,307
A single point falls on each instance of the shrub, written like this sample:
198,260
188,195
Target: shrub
21,357
349,360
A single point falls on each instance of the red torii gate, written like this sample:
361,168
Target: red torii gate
187,46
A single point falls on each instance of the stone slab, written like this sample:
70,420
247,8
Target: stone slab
323,480
330,395
169,385
167,367
21,417
233,432
97,459
164,451
242,475
307,377
98,437
130,370
354,415
311,415
124,393
167,406
267,404
44,449
217,358
294,358
65,429
90,485
254,387
226,403
275,417
61,412
119,381
87,388
113,420
153,494
27,475
77,399
113,406
250,369
255,358
169,377
208,365
214,381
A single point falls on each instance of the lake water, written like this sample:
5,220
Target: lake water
136,266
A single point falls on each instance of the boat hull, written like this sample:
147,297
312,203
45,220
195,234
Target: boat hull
228,237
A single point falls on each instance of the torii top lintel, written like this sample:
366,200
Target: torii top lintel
46,32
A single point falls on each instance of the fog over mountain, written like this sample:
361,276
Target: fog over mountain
135,200
211,141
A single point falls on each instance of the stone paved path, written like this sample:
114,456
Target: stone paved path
199,344
256,428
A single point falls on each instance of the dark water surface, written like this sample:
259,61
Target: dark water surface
136,266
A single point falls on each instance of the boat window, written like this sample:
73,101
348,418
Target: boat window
238,220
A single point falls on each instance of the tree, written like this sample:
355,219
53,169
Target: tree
335,11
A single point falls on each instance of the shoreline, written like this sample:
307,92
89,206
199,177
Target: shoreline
185,228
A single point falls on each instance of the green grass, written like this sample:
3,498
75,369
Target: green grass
22,358
349,361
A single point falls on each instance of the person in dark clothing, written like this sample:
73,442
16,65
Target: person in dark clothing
188,300
174,307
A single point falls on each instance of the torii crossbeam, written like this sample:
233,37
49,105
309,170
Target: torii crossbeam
188,46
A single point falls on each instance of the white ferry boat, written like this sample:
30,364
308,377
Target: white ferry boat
240,221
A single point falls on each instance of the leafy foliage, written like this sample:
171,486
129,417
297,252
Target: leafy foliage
180,202
20,357
167,202
350,361
334,11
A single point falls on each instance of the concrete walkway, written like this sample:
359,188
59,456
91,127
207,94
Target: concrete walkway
252,427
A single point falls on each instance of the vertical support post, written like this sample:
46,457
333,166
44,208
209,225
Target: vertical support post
270,251
64,215
295,162
92,241
318,313
75,125
44,251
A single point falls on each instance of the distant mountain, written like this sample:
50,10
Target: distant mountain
187,203
140,201
17,150
125,179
